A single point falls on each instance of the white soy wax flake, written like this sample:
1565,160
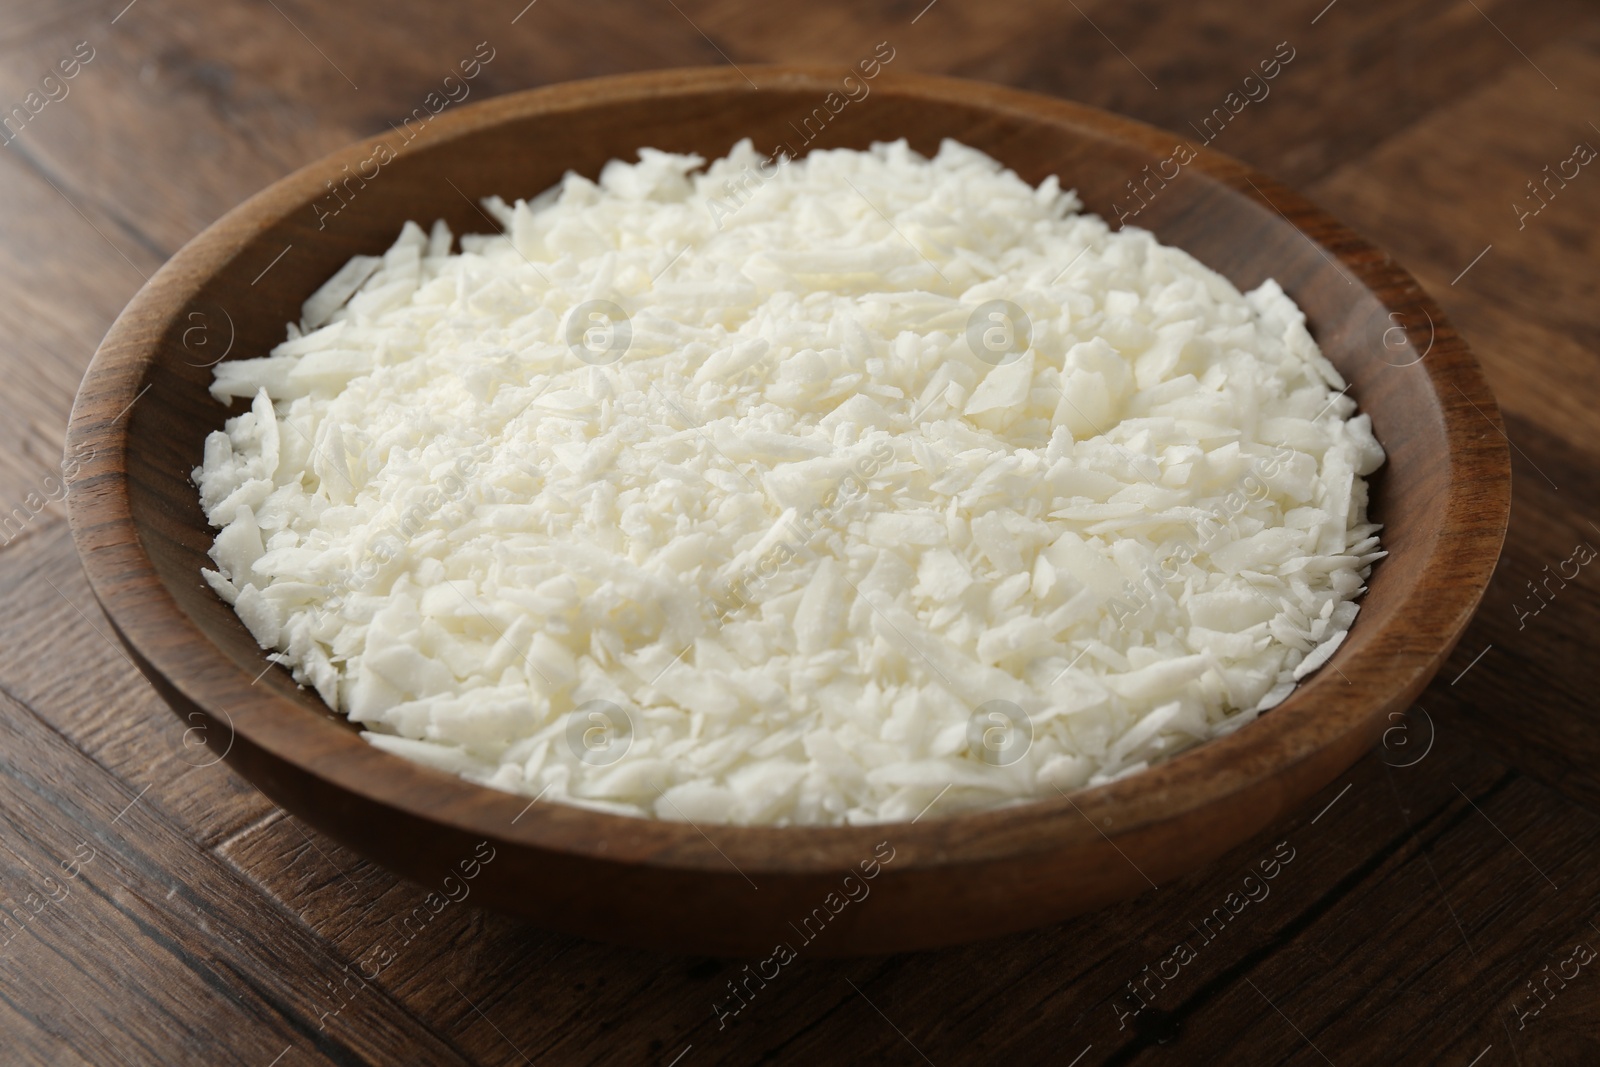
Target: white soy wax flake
889,486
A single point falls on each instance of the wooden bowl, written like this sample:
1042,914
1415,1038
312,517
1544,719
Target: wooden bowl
1443,497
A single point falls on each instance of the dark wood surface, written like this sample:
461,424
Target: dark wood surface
182,918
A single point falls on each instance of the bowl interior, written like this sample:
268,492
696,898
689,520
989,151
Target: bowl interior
240,288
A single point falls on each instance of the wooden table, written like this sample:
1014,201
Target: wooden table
1437,904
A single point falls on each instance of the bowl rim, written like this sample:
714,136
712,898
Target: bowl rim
146,616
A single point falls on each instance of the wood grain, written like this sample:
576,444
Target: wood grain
1407,121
